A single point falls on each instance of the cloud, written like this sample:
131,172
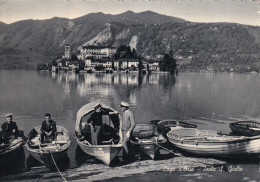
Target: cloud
258,12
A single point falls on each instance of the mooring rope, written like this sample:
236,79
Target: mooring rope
58,168
167,149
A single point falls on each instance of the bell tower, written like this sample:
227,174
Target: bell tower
67,51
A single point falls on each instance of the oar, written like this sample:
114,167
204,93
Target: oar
167,150
60,142
256,129
4,149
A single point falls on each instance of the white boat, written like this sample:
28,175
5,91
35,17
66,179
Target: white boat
209,143
48,152
110,147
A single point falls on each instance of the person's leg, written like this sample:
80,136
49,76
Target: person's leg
53,136
10,138
125,141
42,136
98,135
3,137
93,136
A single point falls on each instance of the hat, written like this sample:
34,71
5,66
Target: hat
98,106
124,104
9,115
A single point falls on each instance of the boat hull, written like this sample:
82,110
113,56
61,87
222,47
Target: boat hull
164,126
227,149
147,140
245,128
9,156
46,157
149,149
104,153
50,153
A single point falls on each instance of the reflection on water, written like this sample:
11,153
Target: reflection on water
210,100
151,96
103,87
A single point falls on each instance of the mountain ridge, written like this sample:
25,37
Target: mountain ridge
154,35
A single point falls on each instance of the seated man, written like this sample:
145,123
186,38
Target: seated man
48,128
9,130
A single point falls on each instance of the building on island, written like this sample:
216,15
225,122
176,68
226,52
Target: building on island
67,51
97,52
124,63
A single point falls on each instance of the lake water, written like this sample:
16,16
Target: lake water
210,100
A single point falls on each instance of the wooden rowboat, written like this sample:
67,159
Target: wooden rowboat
146,140
164,126
209,143
110,147
245,128
48,153
8,152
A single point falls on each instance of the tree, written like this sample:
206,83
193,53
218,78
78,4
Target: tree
74,57
168,63
140,64
113,65
125,51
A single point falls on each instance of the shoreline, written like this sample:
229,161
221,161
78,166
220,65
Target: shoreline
84,71
94,171
177,168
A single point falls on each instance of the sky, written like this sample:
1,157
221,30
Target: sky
236,11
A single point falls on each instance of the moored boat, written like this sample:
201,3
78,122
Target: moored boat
209,143
164,126
245,128
147,140
110,147
51,152
9,151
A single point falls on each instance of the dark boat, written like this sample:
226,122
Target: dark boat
48,153
110,147
245,128
147,140
8,152
209,143
164,126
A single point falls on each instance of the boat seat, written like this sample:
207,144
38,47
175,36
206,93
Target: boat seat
35,141
61,138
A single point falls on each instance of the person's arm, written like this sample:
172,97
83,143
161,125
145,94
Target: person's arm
90,119
113,112
54,127
132,121
15,128
120,128
3,126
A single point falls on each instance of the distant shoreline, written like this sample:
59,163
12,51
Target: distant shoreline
180,71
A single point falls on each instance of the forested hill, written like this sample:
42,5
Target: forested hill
218,45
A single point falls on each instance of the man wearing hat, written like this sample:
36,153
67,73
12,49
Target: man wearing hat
127,124
9,129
